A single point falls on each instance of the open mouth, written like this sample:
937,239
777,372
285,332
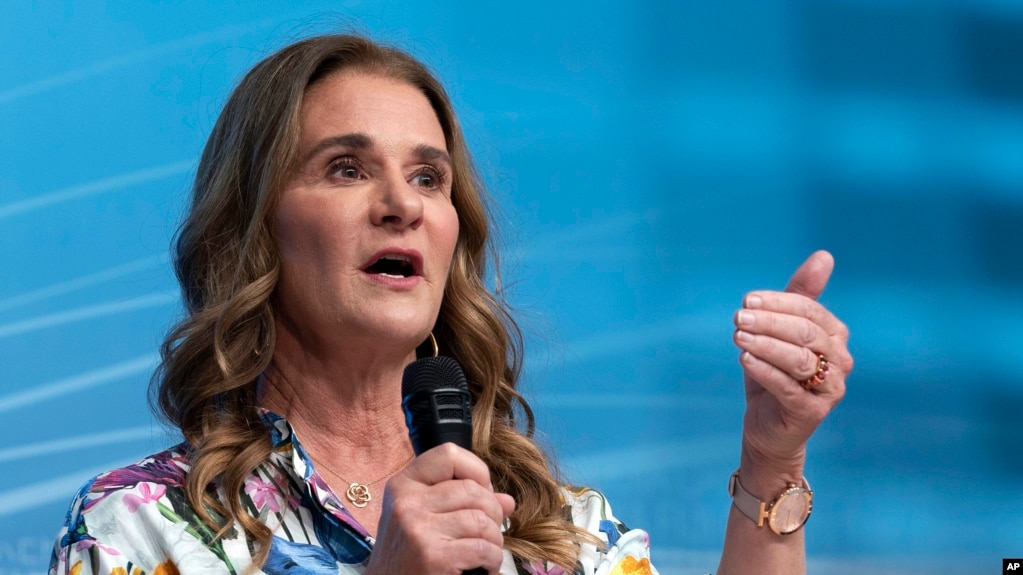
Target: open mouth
394,266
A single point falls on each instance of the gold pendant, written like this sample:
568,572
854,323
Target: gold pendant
358,494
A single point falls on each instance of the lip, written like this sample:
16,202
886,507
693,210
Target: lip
414,258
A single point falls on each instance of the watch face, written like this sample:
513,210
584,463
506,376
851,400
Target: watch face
790,511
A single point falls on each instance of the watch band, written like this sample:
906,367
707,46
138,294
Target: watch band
760,511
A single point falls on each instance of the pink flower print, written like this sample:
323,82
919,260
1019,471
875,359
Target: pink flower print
167,468
294,502
537,568
147,495
264,494
90,543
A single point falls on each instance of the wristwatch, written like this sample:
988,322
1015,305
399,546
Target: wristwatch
786,514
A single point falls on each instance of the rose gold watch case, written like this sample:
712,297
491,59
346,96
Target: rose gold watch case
786,514
790,511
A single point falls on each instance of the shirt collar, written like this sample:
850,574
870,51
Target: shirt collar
288,450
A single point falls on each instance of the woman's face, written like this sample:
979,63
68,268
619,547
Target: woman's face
366,227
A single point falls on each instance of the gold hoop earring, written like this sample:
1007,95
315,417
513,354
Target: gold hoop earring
264,345
428,348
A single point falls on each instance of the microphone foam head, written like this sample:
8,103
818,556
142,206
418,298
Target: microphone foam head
430,373
437,403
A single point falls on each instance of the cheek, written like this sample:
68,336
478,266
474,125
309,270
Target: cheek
295,243
449,233
309,233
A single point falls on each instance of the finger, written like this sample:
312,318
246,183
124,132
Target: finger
507,503
468,524
793,329
812,276
795,361
796,305
775,381
789,392
466,554
457,494
448,461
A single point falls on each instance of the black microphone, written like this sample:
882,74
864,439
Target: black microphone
435,397
438,408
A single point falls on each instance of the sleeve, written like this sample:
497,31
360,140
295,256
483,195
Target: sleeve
89,543
627,551
77,552
92,559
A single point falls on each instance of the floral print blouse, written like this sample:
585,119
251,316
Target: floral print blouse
136,521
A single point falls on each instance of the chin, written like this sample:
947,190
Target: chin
403,330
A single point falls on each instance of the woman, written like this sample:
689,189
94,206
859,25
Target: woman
337,230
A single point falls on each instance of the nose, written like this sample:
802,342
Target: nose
397,204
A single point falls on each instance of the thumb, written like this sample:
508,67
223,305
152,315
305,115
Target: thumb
507,503
812,276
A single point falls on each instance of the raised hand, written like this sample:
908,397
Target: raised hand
789,387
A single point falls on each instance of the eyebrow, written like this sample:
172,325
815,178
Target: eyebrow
360,141
357,141
428,153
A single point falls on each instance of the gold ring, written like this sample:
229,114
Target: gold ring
815,380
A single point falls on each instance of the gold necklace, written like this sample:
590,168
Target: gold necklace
358,493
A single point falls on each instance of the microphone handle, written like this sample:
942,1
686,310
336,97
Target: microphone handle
424,411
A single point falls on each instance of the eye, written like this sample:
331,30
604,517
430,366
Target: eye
429,178
424,180
344,168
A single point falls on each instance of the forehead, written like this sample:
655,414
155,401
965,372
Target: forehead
385,109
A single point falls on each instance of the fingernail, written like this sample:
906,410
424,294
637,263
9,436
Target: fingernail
746,318
753,301
744,336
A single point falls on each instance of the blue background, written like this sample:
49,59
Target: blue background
653,162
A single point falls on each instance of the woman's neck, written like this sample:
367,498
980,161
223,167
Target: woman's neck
347,414
344,405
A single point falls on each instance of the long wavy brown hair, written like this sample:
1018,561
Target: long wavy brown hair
227,262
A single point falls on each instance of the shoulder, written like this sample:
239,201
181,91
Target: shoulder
168,467
590,510
127,518
148,480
